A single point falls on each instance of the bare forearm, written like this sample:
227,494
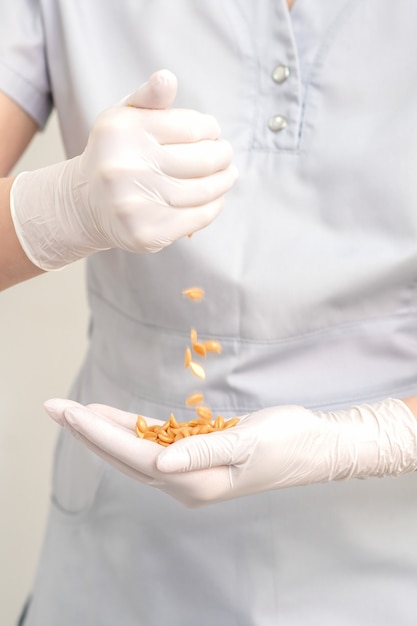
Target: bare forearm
411,402
15,267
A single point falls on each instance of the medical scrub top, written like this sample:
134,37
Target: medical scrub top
310,279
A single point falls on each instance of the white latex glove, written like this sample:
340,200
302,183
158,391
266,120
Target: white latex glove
110,433
149,175
270,449
289,446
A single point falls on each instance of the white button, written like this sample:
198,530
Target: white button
280,73
277,123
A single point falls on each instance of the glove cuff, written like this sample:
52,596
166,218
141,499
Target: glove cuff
398,427
47,209
374,440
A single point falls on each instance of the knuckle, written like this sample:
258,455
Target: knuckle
193,131
201,126
108,121
145,238
211,189
210,211
173,197
117,121
113,173
109,180
107,174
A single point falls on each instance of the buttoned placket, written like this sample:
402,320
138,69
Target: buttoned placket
280,105
279,75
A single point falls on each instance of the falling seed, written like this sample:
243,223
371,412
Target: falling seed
187,357
200,421
204,412
197,369
199,348
193,293
213,346
194,399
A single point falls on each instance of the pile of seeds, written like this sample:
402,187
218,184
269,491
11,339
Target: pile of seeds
173,431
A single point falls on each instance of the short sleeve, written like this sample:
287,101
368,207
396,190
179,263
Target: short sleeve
23,60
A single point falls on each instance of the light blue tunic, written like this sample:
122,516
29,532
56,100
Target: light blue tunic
311,286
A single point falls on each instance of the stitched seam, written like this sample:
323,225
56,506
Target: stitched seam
24,79
327,42
340,328
367,394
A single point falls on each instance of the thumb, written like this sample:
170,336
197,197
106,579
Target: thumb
158,92
197,453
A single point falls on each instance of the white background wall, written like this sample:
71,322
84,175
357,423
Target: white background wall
43,325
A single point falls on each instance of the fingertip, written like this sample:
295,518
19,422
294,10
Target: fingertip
170,463
158,92
56,408
74,414
163,78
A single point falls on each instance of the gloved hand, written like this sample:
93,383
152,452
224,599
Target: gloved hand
149,175
288,446
273,448
110,433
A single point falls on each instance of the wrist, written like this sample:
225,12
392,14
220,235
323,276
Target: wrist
15,266
373,440
50,212
411,402
387,439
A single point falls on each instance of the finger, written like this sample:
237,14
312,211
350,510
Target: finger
195,192
165,192
115,462
113,440
55,407
169,224
194,160
176,220
158,92
177,125
125,134
198,453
